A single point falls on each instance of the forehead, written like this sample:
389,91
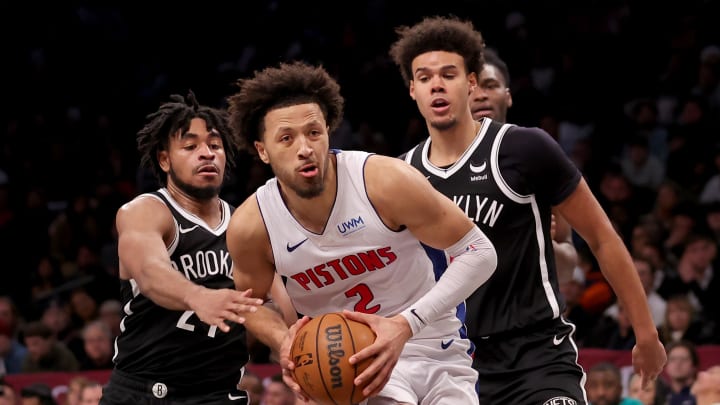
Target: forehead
198,126
491,72
435,60
293,116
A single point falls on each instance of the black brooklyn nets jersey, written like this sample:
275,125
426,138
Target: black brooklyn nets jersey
507,182
176,347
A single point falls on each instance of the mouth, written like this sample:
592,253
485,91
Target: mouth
208,170
309,170
440,105
482,113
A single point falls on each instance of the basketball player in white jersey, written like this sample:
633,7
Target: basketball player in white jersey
348,230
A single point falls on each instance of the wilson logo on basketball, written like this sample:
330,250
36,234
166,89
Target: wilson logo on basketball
336,354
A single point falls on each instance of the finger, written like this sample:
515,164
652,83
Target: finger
357,316
646,380
372,369
366,353
223,326
378,382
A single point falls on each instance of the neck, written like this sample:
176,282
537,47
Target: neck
447,146
208,209
710,398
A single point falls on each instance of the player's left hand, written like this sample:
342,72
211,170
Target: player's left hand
391,336
649,359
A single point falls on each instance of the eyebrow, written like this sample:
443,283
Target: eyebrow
442,68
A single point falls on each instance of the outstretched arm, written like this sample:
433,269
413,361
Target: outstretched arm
145,228
584,214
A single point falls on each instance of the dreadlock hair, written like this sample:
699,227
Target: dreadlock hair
278,87
176,115
437,33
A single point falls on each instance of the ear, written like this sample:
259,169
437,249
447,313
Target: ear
163,158
472,82
411,87
260,148
509,97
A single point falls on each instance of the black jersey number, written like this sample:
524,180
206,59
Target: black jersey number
183,323
366,296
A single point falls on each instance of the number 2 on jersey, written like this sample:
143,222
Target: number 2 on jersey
366,296
182,323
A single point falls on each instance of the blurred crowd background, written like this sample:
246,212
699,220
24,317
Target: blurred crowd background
630,89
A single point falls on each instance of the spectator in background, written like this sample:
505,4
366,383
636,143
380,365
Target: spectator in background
604,386
37,394
640,167
681,322
8,396
657,304
57,317
75,386
111,314
654,394
97,341
12,352
681,371
706,387
45,353
278,393
696,276
91,393
711,189
253,385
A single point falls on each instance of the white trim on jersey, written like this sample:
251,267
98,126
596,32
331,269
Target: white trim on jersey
525,199
446,173
217,231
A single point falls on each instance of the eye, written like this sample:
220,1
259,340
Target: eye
285,138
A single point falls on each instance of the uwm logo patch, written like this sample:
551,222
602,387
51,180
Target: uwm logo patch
351,225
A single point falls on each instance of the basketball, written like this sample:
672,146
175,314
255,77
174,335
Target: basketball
321,352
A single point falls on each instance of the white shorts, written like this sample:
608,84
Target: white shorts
432,372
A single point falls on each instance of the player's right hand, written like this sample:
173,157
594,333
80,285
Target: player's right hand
286,363
214,307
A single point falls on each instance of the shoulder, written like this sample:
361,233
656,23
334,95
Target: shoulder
145,208
246,222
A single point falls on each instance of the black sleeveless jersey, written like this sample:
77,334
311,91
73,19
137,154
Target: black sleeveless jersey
507,182
176,347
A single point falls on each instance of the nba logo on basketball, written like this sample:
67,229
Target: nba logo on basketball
304,359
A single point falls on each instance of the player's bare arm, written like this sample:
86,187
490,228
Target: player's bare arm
145,229
253,269
586,216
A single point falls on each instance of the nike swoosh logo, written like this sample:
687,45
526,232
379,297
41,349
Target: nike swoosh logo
236,397
478,169
186,230
293,247
427,177
447,344
557,341
417,316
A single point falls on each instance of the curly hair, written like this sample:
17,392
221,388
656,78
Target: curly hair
176,115
437,33
278,87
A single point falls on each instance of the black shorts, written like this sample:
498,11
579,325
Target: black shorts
534,366
123,389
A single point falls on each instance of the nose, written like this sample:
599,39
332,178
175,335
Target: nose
304,149
206,151
479,94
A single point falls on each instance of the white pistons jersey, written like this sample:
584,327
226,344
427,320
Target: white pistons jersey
357,262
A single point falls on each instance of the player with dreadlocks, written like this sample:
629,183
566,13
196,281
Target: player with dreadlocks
182,338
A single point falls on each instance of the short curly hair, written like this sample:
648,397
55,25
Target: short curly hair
276,87
176,115
437,33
